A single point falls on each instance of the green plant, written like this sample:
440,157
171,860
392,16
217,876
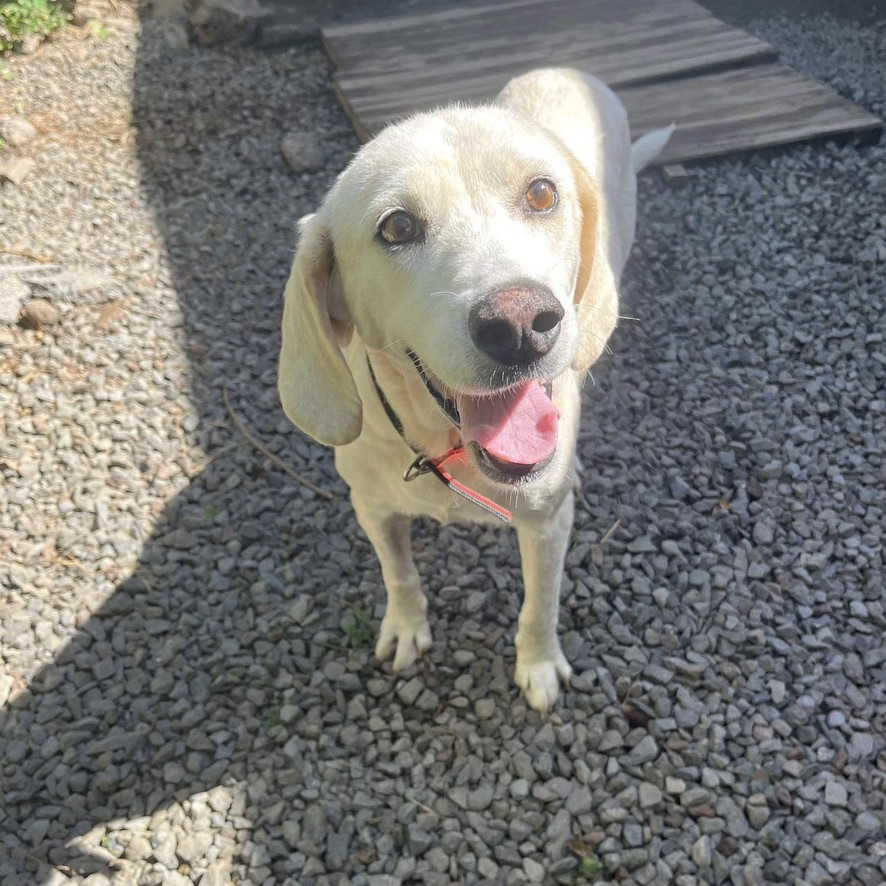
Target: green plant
97,30
358,630
271,720
589,866
20,18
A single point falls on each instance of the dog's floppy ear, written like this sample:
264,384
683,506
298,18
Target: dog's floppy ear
316,387
596,288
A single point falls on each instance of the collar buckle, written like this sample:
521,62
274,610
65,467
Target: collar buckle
421,465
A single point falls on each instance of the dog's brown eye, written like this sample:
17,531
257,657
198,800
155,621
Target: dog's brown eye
400,227
541,195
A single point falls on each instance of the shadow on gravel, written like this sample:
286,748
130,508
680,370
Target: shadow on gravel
175,685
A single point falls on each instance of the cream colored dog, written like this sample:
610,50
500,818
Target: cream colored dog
448,298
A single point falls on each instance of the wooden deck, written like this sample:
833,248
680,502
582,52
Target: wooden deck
669,61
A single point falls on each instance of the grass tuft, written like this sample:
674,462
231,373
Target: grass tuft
22,18
358,630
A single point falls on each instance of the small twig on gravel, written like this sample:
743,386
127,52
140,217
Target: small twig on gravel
610,532
268,454
422,806
23,253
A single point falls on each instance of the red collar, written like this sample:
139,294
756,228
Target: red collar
423,464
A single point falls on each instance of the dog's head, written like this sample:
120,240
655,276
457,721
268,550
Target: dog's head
466,241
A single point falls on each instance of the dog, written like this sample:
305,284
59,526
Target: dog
444,306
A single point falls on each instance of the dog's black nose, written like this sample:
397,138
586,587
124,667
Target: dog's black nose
516,326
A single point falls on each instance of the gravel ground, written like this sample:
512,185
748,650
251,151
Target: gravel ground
186,671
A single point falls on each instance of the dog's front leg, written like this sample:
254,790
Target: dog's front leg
404,629
540,661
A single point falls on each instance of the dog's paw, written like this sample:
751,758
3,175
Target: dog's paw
406,635
540,680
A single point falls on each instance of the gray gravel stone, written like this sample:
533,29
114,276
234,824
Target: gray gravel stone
701,852
314,825
138,848
418,840
191,847
438,860
534,871
835,793
302,151
645,751
409,692
16,130
164,844
861,746
479,799
632,834
763,534
674,785
757,810
649,795
867,821
217,874
560,828
337,845
37,313
484,708
611,740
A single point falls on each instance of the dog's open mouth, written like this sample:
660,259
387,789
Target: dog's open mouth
505,471
511,434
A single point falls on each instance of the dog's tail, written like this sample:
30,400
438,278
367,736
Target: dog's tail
646,148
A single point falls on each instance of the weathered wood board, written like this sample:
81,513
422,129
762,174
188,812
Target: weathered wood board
735,111
669,60
536,32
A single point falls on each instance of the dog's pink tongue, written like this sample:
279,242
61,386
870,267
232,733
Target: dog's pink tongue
517,426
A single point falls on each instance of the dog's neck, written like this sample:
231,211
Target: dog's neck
425,426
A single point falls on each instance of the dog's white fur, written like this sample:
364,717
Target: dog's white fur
463,171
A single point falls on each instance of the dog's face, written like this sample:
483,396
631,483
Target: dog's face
439,216
461,241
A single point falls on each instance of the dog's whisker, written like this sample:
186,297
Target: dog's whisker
602,341
392,344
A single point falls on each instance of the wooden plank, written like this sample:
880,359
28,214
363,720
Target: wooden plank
743,92
436,18
363,133
737,111
382,97
680,43
552,47
375,39
406,43
669,60
720,113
